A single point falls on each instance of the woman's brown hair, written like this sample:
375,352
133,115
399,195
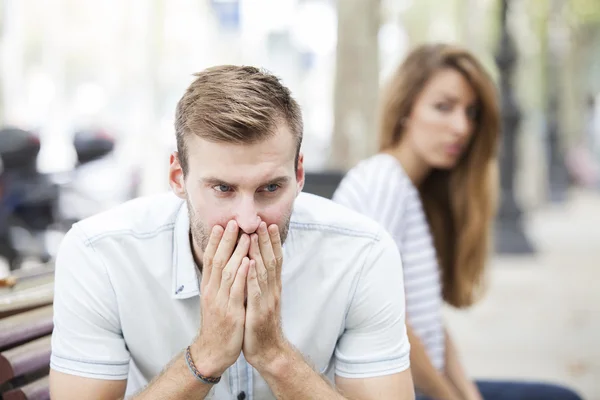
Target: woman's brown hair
459,203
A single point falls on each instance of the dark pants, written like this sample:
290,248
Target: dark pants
505,390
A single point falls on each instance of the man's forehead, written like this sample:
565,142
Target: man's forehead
258,162
281,135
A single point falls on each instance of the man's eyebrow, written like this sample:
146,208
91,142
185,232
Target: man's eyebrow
213,181
280,180
209,180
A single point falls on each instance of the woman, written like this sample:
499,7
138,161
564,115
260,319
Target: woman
432,186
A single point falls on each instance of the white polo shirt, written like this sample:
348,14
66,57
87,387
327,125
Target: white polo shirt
127,299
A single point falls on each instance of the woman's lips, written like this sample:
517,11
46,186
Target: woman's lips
454,149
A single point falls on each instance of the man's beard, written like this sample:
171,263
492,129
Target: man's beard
201,233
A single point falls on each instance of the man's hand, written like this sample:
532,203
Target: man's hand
219,343
263,335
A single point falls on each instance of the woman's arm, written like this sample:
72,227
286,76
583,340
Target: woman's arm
427,378
456,374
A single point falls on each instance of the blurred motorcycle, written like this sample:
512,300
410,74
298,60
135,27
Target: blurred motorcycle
36,207
98,181
27,198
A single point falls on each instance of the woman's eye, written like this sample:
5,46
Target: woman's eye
443,107
472,113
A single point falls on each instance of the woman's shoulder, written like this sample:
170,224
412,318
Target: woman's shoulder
380,171
373,181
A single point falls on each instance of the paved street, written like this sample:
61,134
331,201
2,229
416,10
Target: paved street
540,318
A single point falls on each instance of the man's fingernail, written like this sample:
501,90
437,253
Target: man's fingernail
231,226
262,226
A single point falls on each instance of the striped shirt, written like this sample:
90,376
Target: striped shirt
379,188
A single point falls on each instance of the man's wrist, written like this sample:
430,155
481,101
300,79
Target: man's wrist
204,364
277,359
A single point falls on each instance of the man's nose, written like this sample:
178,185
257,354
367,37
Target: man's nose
247,216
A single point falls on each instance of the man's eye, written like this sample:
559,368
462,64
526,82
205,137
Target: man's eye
222,188
271,188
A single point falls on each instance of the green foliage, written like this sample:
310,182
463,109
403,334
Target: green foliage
577,13
583,12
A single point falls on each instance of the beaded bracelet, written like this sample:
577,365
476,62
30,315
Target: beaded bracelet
190,363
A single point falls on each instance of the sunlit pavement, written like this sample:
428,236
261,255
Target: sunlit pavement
540,318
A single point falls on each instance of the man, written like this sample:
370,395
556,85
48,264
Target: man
193,294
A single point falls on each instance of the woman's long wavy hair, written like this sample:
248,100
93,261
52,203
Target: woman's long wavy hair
459,203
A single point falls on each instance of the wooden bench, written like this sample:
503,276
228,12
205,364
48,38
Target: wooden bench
25,332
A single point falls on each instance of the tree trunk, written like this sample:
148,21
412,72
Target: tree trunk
356,83
2,28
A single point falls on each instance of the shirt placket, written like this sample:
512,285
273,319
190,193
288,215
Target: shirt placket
240,381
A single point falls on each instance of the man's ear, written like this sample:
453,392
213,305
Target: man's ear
176,178
300,174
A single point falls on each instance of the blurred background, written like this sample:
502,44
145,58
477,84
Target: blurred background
87,99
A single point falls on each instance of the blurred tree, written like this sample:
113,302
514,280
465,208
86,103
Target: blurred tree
555,47
555,80
432,20
581,71
584,12
417,20
356,82
470,23
510,237
581,19
2,26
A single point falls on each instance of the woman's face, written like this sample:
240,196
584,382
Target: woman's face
442,120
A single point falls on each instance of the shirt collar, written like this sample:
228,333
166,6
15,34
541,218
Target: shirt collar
185,272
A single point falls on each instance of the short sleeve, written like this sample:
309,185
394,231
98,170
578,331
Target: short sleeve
375,342
87,340
380,191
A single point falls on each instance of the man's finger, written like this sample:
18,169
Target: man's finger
223,253
209,253
261,271
266,250
230,271
254,293
238,289
277,248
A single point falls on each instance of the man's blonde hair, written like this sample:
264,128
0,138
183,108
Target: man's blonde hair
235,104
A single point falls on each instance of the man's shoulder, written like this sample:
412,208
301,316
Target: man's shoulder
138,217
313,212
